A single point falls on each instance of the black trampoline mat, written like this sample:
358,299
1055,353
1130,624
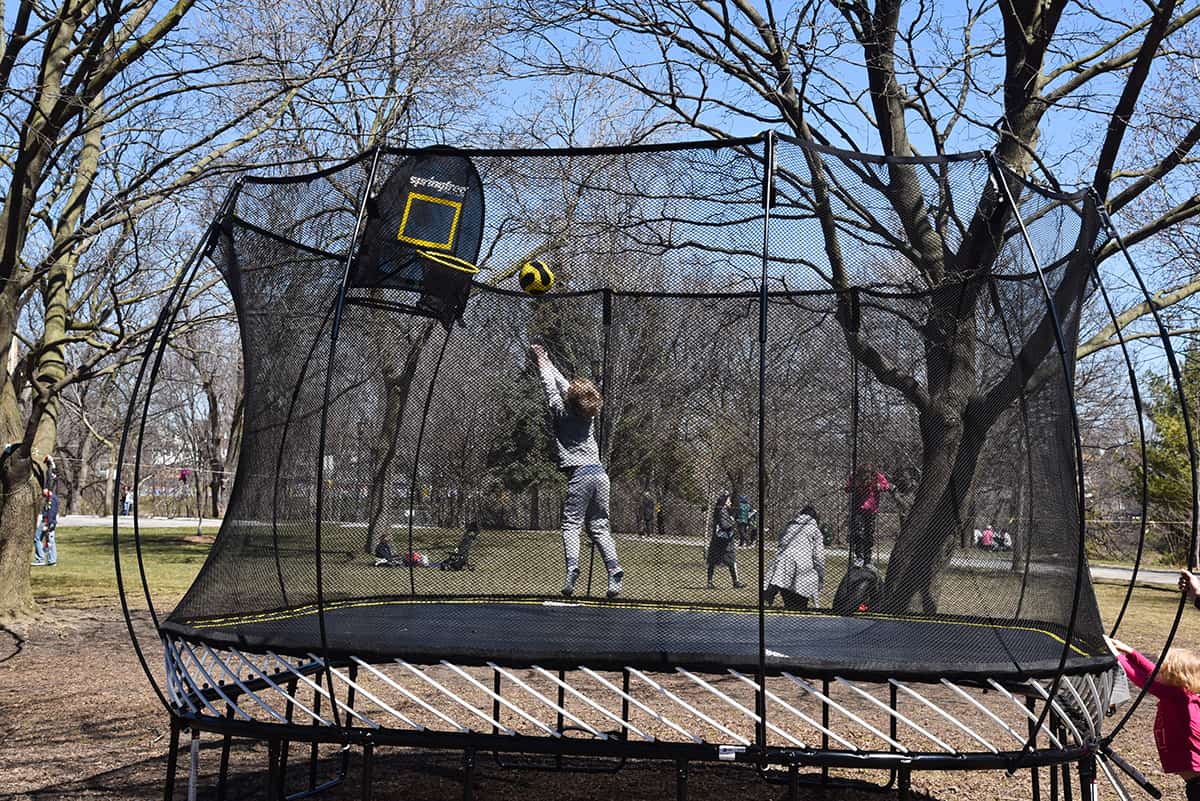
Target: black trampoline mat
608,635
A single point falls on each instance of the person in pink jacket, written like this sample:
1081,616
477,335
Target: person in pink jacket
1177,722
864,487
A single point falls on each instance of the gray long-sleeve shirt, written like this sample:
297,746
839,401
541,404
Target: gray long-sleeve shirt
574,433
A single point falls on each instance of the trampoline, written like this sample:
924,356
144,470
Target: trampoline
519,632
764,317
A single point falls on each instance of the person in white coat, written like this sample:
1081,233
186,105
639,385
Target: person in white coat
797,571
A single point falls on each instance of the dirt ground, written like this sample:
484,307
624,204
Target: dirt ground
78,721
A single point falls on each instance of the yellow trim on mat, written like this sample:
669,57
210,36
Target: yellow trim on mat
303,611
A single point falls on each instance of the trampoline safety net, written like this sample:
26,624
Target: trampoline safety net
398,478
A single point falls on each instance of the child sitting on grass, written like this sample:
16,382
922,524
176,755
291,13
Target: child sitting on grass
1177,722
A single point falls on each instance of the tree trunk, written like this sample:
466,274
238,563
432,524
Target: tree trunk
20,505
951,443
83,476
397,384
110,478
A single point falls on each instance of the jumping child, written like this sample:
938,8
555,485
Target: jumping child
574,406
1177,721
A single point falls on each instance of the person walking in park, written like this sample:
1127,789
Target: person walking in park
722,548
745,516
864,488
45,546
647,516
797,571
574,406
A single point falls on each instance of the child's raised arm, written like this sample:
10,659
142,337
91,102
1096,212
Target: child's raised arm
554,383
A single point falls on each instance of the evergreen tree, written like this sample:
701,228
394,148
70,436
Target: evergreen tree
1170,478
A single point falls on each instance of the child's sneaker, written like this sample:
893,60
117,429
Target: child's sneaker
569,585
614,582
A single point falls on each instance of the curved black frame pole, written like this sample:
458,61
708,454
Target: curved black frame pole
161,342
1145,482
1026,522
161,324
1177,376
276,482
329,367
855,399
412,484
1000,178
768,198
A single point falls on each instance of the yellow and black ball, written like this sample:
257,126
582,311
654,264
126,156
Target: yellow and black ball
536,277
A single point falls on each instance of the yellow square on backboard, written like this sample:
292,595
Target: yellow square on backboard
416,200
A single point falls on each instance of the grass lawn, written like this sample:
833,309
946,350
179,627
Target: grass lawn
507,562
85,574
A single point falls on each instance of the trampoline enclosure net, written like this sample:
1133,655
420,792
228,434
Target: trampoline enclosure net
915,345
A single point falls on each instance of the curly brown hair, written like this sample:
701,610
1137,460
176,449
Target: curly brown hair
584,397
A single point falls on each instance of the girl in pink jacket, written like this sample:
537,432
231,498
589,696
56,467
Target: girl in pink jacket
1177,722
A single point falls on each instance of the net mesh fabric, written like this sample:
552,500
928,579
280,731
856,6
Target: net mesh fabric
938,337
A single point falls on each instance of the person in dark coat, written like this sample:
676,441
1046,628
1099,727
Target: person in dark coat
722,549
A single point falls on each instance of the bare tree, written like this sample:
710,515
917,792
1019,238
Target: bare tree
115,111
897,79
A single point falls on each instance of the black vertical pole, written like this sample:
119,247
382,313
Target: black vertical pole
1087,778
274,781
1035,786
681,780
602,420
223,769
1005,191
334,330
368,777
768,199
172,761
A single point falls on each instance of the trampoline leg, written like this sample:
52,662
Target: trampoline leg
172,762
274,784
1066,780
681,780
193,764
904,785
793,783
368,766
1087,778
468,775
223,770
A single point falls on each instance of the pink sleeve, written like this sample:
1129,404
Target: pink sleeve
882,482
1138,668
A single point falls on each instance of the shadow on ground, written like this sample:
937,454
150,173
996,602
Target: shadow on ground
421,776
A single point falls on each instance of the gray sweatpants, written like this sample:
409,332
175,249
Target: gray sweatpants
587,501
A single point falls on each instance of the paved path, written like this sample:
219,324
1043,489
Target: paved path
145,521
